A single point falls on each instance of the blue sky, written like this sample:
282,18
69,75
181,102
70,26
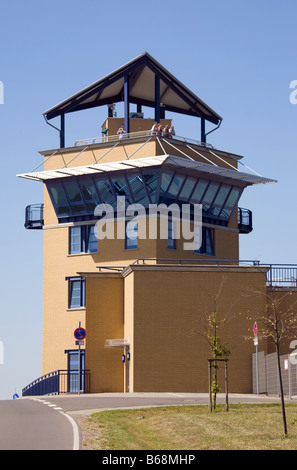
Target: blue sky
237,56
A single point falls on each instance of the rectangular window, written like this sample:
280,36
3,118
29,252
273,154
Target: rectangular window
82,239
207,245
77,292
131,235
91,239
171,242
75,240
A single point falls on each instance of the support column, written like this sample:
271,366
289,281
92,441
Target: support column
203,136
62,131
157,98
126,103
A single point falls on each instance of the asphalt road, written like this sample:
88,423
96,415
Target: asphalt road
48,423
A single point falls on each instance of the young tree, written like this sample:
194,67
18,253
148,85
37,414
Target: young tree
218,350
277,323
209,325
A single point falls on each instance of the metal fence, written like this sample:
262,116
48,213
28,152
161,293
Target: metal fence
59,382
266,376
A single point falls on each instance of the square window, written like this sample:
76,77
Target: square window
82,239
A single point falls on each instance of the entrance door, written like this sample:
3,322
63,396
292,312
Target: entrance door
73,370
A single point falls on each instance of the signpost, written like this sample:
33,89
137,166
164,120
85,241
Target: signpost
80,335
257,361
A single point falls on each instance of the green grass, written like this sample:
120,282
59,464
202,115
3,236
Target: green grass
244,427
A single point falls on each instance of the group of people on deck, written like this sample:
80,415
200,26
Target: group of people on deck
167,131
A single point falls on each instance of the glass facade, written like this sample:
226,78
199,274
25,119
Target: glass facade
76,198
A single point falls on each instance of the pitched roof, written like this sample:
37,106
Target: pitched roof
142,70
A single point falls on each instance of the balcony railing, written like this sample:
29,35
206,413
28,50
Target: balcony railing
282,275
245,220
59,382
34,218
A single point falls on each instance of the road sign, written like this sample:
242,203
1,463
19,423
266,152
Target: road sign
255,329
80,334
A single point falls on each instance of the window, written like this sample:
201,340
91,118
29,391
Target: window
77,292
171,242
131,234
207,245
82,239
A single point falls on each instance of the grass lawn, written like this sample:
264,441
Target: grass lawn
244,427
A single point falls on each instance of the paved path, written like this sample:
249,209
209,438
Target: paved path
48,423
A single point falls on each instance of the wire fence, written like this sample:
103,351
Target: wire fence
265,374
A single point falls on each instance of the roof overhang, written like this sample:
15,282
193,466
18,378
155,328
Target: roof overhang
142,70
166,161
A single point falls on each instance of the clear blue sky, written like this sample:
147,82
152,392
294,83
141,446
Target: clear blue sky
237,56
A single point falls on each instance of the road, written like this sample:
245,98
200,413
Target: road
48,423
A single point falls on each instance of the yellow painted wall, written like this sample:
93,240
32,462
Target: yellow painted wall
104,320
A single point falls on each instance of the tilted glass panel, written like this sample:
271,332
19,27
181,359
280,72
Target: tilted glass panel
74,197
90,194
59,199
231,203
151,181
105,192
187,189
121,188
176,185
165,182
173,190
209,196
199,191
137,187
220,199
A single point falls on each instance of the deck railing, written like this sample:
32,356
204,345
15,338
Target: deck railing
136,135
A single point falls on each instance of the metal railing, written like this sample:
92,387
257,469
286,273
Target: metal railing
59,382
283,275
245,220
278,275
34,216
136,135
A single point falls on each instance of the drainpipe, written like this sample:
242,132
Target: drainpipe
213,130
61,131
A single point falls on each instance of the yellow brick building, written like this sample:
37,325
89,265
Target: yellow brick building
143,298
